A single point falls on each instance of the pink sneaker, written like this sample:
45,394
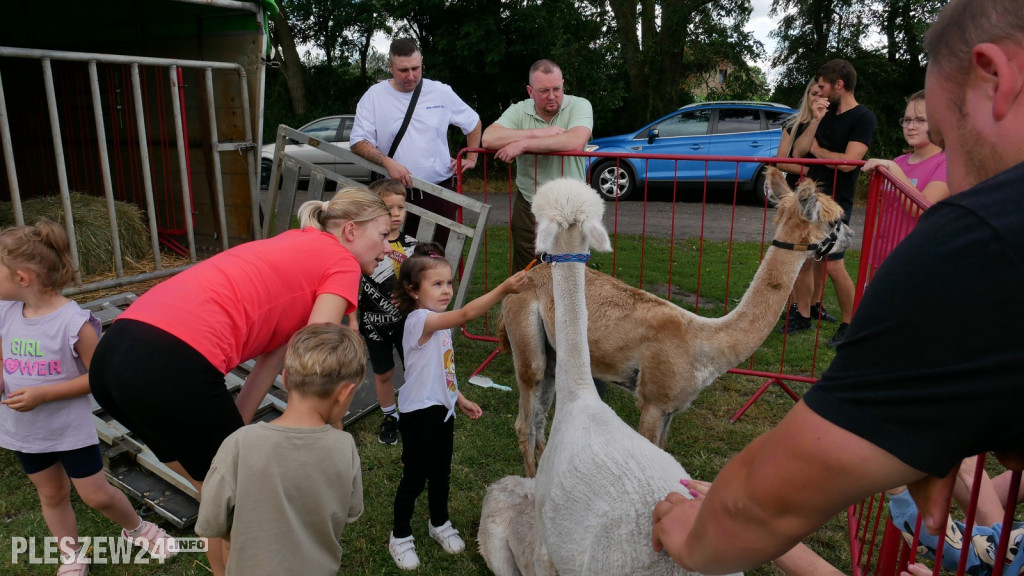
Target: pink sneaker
79,566
154,539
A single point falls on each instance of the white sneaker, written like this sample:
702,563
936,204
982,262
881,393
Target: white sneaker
403,551
447,537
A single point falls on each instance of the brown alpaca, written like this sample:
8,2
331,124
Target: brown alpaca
662,353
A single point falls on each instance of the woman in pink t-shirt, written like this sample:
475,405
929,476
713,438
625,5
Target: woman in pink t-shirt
160,368
923,170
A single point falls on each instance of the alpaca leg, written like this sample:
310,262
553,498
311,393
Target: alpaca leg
529,364
654,424
507,533
493,536
542,564
525,429
541,407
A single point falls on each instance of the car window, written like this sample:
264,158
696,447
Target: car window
323,129
693,123
733,120
775,119
346,128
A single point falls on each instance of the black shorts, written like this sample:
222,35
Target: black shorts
78,463
382,360
165,392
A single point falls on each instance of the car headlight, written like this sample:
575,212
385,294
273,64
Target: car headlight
590,147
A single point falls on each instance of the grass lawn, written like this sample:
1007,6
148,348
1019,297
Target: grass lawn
702,438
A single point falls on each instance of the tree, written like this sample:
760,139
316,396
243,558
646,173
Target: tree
288,56
663,42
881,38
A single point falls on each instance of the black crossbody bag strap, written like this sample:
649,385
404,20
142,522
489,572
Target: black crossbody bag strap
405,122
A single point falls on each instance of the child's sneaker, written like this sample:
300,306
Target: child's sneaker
447,537
403,551
154,539
388,430
76,566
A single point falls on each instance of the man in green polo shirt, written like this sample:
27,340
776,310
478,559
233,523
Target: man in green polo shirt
549,121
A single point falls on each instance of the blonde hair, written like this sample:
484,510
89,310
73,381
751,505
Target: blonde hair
804,112
348,205
321,357
387,187
43,248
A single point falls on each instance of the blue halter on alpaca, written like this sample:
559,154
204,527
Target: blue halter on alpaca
555,258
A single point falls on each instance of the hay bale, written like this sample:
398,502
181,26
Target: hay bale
92,228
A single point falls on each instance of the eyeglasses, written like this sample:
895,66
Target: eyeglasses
919,121
545,92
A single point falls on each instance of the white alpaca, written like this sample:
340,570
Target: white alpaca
664,354
598,481
507,534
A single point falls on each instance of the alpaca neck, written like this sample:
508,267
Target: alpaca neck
573,377
740,333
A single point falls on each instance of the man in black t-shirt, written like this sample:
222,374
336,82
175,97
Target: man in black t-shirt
932,369
844,130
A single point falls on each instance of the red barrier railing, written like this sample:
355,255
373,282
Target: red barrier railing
879,548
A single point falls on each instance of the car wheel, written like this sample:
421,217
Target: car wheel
761,188
613,180
265,168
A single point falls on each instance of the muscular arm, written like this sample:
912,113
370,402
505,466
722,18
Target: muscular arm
498,136
550,139
573,139
395,170
854,151
473,140
779,489
802,146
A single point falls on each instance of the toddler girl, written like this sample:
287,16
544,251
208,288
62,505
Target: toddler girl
45,413
430,394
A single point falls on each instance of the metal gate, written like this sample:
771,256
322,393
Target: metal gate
117,127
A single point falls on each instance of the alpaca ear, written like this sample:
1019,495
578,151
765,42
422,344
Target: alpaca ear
546,231
777,186
807,194
598,236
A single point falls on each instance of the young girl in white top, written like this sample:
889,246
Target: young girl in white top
45,413
430,395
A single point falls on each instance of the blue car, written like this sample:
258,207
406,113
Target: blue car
704,129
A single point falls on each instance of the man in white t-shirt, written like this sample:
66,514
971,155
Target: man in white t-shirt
423,150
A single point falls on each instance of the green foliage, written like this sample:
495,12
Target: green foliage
330,89
881,38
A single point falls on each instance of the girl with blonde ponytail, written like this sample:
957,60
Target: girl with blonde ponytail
160,367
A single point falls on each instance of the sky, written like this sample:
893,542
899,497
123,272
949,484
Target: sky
760,25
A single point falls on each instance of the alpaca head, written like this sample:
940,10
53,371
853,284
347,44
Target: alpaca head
569,216
806,218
